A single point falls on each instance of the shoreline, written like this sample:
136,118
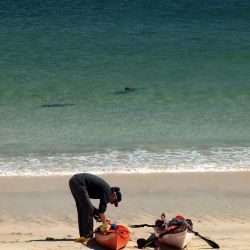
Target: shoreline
136,173
217,203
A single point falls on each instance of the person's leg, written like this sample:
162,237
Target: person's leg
84,207
85,213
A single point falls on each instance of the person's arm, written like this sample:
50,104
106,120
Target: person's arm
103,206
104,200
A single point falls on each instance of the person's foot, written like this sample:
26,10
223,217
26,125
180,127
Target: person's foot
82,239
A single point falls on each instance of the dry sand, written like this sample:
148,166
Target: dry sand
39,207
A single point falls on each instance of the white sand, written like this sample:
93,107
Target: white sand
40,207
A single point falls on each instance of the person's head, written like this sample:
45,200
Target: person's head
115,196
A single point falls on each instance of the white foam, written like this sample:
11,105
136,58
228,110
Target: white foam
137,161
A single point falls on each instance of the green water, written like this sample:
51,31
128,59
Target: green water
188,61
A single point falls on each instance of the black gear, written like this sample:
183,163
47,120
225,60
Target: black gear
96,215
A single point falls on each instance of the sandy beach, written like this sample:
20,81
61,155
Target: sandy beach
34,208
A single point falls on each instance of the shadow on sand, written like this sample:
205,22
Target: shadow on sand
156,245
90,244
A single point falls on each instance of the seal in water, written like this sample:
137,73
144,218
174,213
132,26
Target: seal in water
126,90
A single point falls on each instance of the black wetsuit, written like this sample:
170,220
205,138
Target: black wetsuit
83,187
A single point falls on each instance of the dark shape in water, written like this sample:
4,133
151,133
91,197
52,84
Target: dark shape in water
126,90
56,105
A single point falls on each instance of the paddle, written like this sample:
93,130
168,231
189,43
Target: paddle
141,225
142,243
52,239
62,239
210,242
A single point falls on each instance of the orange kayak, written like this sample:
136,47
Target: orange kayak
113,239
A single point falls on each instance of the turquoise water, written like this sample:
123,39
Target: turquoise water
188,61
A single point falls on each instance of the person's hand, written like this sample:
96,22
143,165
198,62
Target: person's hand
103,227
103,218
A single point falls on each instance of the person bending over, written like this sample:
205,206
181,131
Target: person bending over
84,187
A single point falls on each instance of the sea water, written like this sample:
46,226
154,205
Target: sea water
65,67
